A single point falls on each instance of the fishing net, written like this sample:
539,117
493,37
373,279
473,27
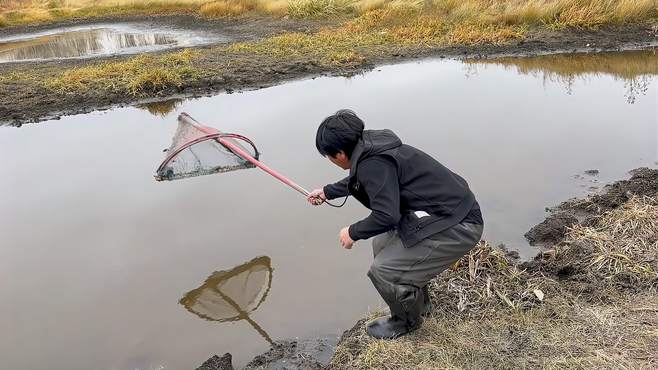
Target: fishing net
198,150
233,294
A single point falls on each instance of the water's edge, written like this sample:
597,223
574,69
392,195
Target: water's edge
270,75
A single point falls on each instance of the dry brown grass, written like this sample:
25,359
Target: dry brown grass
318,8
562,333
623,245
227,8
551,13
493,313
380,28
136,76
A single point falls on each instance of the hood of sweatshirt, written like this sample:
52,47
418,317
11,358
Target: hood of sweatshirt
372,143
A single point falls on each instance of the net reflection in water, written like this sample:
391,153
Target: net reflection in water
231,295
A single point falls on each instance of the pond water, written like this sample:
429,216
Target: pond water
104,268
99,40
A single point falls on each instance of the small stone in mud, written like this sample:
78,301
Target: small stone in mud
551,230
218,363
592,172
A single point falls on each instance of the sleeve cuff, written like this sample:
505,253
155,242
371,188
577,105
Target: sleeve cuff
328,193
353,234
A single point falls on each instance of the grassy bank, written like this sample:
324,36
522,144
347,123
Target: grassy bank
358,31
589,302
338,37
551,13
139,76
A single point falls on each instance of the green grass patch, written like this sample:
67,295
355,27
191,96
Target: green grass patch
137,76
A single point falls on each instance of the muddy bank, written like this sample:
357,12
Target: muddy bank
565,308
590,301
309,354
551,231
25,100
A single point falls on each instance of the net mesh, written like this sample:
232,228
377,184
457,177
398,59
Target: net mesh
196,151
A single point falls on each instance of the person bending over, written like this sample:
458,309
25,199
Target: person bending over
423,215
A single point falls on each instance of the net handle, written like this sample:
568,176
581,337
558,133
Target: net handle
239,151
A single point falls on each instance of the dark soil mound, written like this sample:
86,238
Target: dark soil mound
293,355
643,182
218,363
552,229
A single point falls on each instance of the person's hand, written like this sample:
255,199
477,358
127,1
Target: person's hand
345,239
316,197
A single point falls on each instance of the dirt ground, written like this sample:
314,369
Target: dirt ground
24,101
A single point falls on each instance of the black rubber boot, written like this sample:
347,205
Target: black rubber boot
388,327
427,304
405,315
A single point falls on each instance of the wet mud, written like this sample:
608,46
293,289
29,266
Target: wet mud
218,363
552,229
643,182
24,102
572,266
309,354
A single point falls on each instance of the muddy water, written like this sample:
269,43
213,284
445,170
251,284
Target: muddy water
98,40
104,268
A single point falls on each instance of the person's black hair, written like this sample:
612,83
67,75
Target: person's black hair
339,132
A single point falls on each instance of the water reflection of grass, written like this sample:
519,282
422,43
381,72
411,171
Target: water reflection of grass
635,68
161,108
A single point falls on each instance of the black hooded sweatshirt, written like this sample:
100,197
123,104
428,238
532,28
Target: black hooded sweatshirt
405,188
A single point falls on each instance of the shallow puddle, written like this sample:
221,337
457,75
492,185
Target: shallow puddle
96,255
98,40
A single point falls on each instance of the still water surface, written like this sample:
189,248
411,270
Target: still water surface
99,40
104,268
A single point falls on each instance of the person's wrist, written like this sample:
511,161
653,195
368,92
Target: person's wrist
350,232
